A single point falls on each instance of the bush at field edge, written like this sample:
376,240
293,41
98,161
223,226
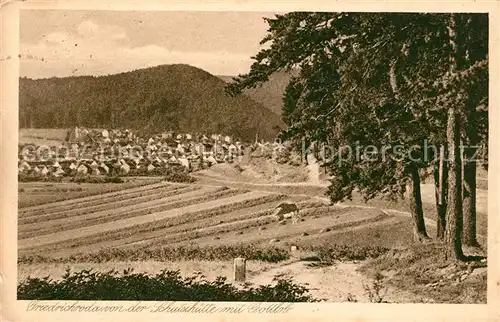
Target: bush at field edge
164,286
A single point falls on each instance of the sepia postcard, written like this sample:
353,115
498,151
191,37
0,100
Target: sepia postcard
249,160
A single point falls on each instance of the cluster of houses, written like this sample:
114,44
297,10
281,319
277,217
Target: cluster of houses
122,152
100,152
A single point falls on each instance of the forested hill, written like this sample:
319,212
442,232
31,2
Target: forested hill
167,97
270,94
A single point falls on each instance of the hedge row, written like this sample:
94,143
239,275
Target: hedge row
164,286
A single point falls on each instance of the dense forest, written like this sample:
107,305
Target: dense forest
167,97
270,93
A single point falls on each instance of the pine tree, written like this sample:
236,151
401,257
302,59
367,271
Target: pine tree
370,78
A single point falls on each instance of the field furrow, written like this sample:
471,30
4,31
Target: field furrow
250,233
225,213
154,230
324,214
117,203
54,206
70,191
164,204
131,222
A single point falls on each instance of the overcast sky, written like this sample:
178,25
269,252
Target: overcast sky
63,43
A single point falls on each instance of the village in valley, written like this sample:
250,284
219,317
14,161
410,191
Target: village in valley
124,153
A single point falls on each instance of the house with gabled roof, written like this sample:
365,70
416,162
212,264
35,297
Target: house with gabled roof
44,171
103,167
232,149
211,160
82,168
95,168
59,172
151,167
24,166
184,162
125,167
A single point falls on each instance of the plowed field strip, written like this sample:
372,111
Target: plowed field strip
84,190
258,219
84,210
227,233
243,219
194,220
176,232
227,213
104,201
129,211
53,206
131,222
34,215
371,223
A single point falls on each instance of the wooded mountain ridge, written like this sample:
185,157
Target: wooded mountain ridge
151,100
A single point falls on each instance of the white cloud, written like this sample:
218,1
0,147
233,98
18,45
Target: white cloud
103,49
57,37
87,28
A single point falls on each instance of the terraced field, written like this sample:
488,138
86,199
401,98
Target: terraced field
39,193
168,214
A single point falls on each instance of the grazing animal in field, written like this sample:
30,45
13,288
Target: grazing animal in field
287,210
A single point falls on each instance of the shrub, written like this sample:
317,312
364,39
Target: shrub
377,290
174,173
164,286
86,178
250,252
178,174
347,252
283,156
36,177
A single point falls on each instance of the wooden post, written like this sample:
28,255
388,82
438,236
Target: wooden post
239,269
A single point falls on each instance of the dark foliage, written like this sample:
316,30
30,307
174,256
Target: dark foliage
172,173
269,93
267,254
36,177
165,286
348,252
86,178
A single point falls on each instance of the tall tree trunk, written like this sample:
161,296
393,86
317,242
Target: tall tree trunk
469,205
471,140
417,212
416,209
469,183
453,236
454,220
440,184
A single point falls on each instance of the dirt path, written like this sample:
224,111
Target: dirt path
335,283
313,167
427,191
